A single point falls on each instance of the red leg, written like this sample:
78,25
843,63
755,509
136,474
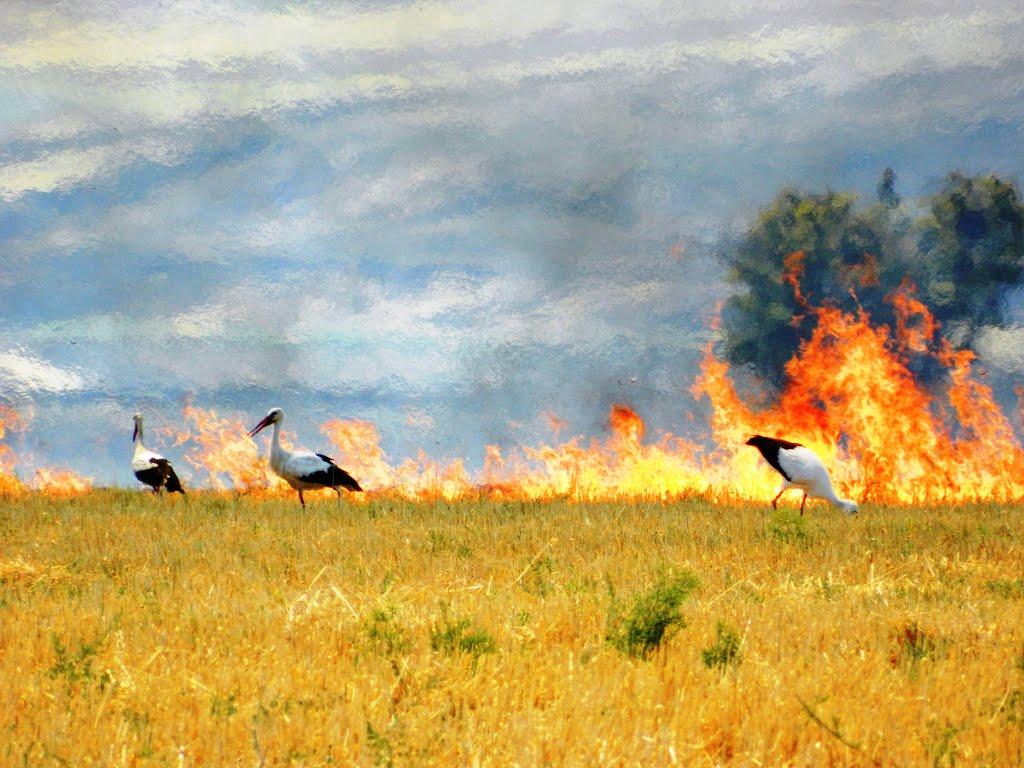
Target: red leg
302,501
775,501
802,502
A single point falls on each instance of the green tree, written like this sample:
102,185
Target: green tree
887,194
843,250
963,254
970,249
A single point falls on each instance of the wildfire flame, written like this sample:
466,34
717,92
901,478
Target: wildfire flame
9,484
57,482
223,452
61,482
851,397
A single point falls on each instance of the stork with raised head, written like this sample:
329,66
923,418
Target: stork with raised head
800,468
303,470
152,468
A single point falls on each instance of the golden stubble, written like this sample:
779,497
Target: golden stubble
214,630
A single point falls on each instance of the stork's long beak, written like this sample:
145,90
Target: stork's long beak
265,423
135,433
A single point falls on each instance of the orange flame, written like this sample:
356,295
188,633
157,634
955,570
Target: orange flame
61,482
864,274
851,397
850,381
359,451
224,452
55,482
555,424
9,484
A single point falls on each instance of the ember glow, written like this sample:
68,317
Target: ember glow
221,450
53,481
61,482
851,397
9,484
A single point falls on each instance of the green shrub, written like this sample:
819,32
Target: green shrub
725,651
77,666
653,617
459,636
384,633
789,527
1005,588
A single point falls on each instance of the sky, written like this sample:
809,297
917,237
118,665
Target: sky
450,218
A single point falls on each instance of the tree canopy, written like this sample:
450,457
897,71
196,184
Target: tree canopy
963,251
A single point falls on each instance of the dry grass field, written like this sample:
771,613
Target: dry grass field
221,631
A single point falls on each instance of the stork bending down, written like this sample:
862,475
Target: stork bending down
301,469
800,468
152,468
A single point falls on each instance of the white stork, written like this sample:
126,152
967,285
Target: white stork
152,468
303,470
800,468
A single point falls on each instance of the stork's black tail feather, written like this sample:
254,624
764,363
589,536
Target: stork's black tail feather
170,480
336,477
173,483
342,479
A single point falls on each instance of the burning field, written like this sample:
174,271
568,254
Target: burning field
625,600
851,397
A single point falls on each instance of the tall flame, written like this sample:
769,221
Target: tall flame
9,484
61,482
222,450
52,481
850,396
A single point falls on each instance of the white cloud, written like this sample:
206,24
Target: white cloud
192,60
63,169
54,172
21,373
149,74
1003,348
220,36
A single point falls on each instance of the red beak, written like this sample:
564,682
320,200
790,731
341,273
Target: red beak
135,433
265,423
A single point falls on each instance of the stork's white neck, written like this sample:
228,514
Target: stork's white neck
138,436
277,453
836,500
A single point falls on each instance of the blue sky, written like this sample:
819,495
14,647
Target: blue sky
445,217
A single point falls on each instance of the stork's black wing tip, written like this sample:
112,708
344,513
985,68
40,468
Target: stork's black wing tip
346,481
338,477
173,483
169,479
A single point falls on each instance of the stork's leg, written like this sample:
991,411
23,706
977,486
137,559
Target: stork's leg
339,497
775,501
802,502
302,501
